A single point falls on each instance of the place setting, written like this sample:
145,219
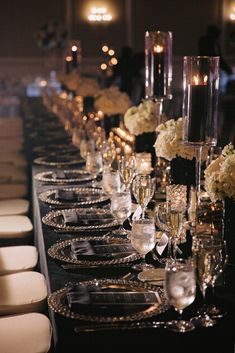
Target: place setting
73,197
58,160
69,176
108,301
80,219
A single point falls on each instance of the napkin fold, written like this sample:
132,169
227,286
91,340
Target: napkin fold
65,195
59,174
79,294
75,218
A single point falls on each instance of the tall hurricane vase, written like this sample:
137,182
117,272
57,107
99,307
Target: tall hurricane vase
229,228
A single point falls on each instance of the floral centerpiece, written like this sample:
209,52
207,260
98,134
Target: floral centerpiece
112,101
81,85
141,119
169,145
220,175
220,185
113,104
169,142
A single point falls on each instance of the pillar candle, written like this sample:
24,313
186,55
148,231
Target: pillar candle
158,71
74,56
198,110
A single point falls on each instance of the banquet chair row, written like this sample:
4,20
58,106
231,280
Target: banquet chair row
24,324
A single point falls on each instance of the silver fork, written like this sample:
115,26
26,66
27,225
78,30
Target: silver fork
119,326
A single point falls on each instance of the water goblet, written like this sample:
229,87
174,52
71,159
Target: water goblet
143,239
86,146
94,165
180,290
111,182
143,187
121,209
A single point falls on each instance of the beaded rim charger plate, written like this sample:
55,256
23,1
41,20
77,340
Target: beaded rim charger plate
71,176
104,219
62,251
57,301
81,197
49,161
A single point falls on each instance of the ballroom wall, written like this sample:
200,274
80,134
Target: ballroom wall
20,20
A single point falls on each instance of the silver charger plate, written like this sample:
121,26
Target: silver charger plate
50,149
55,219
84,197
50,161
71,177
62,251
57,301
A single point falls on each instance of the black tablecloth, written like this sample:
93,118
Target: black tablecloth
219,338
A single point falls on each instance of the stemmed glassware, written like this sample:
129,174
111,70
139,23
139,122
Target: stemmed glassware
121,209
111,182
143,187
108,152
171,221
127,170
209,255
143,239
180,290
94,164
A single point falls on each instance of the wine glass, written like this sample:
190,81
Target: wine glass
207,254
143,187
86,146
121,209
180,290
143,239
94,164
108,152
111,182
127,170
220,259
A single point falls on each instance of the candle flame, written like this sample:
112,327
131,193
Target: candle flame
74,48
158,49
197,80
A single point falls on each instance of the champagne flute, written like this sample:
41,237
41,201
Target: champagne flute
94,164
121,209
143,239
127,170
108,152
210,256
180,290
143,187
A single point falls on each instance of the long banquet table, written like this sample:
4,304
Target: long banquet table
219,338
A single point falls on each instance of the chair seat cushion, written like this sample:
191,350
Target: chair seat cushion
14,207
15,226
13,190
18,258
26,333
22,292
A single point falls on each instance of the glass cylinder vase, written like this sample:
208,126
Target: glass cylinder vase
200,99
158,64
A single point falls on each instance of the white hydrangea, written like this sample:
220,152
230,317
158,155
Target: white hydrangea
141,119
220,175
112,101
169,143
83,86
